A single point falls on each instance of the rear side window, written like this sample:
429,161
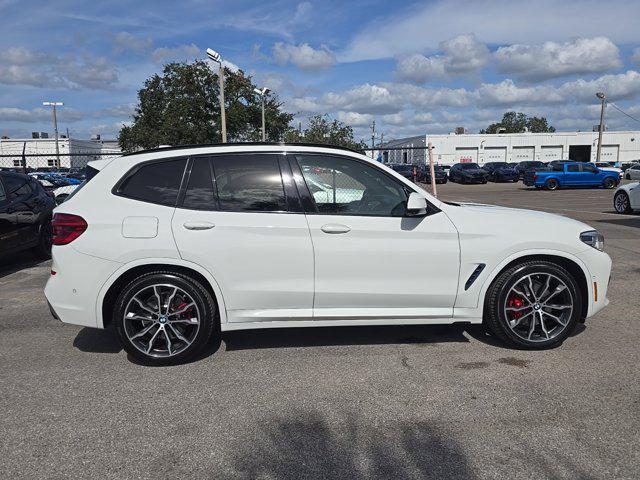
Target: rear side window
199,194
17,186
155,182
573,168
249,183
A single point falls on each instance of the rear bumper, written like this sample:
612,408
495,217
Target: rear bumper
72,292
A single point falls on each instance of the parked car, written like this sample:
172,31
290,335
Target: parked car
633,172
439,172
408,170
171,246
607,167
467,173
626,198
500,172
571,174
25,215
525,165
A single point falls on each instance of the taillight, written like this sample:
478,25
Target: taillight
67,227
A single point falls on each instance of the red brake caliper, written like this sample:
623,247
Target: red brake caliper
515,301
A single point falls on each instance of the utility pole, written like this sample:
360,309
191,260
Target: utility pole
215,56
603,99
373,136
55,126
263,94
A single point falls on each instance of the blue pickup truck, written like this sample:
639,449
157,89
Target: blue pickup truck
570,174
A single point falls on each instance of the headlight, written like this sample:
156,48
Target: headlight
593,239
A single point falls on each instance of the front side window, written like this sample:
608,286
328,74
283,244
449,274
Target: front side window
155,182
587,167
249,182
347,187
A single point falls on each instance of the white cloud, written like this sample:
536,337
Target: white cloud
635,56
303,56
355,119
38,115
21,66
551,59
500,22
508,93
417,68
424,117
365,98
394,119
304,105
124,41
616,87
179,53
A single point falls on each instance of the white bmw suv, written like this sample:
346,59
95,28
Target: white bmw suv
172,246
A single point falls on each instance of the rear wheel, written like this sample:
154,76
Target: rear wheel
164,318
533,305
551,184
621,202
42,251
609,183
628,176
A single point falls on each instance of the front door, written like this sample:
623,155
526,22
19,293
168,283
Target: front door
372,261
240,218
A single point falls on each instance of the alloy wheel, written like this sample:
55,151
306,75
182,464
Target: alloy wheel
161,320
538,307
621,202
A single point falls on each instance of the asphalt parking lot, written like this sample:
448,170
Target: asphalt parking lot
385,402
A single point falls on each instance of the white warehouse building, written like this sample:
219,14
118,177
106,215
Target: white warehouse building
41,152
617,147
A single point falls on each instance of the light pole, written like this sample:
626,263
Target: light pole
55,126
603,99
262,94
215,56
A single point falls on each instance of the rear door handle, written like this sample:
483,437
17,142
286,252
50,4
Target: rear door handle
335,228
198,225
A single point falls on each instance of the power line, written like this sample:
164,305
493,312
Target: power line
623,112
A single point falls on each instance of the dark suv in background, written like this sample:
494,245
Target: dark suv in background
25,215
467,173
529,165
500,172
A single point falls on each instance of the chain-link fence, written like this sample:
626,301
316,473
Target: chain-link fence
399,155
50,162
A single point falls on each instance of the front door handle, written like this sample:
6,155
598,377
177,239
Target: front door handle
198,225
335,228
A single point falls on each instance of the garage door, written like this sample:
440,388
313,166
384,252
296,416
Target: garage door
609,153
550,153
466,155
520,154
495,154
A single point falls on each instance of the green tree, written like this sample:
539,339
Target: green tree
322,129
516,122
181,106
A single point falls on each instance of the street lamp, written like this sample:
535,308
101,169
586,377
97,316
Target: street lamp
262,94
602,97
55,126
215,56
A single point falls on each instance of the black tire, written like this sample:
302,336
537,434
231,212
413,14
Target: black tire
201,297
609,183
551,184
484,181
628,176
622,203
42,251
494,317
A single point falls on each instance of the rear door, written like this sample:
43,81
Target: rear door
21,209
572,175
240,218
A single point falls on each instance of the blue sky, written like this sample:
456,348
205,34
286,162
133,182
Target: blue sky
413,67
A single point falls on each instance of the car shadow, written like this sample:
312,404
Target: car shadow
95,340
336,336
17,262
628,221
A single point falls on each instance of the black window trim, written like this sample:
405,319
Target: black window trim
133,170
306,193
290,194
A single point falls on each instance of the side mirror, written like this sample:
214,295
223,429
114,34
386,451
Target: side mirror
416,205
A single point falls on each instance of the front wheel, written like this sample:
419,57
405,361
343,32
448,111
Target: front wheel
533,305
609,183
164,317
621,202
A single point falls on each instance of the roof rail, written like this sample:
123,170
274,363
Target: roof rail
234,144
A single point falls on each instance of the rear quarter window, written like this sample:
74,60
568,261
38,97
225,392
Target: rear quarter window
157,182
